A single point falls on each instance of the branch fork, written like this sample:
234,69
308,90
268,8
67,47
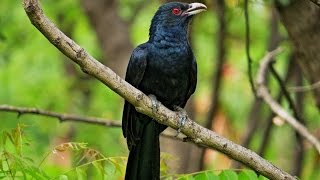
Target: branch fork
263,92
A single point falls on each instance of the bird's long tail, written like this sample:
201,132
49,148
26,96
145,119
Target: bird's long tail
144,157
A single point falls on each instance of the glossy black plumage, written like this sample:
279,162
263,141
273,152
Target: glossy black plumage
165,67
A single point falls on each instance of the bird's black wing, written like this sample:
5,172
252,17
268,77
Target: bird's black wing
135,72
192,79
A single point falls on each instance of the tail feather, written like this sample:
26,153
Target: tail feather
144,157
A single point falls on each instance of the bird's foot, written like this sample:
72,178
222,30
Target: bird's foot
183,116
155,103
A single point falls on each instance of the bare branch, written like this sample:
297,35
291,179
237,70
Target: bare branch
143,104
249,59
61,117
75,118
263,92
285,92
305,88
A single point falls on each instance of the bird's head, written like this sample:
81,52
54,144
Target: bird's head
174,16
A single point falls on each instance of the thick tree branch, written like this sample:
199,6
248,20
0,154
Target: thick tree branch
263,92
143,104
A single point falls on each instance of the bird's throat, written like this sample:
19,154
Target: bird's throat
169,36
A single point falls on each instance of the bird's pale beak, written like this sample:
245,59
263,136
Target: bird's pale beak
195,8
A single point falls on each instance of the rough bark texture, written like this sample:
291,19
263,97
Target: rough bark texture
112,33
301,19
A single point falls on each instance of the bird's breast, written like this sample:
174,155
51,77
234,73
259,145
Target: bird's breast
167,74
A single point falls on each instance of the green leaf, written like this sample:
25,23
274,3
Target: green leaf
228,175
81,173
248,175
201,176
1,165
206,176
7,135
116,163
262,178
63,177
17,136
186,177
212,176
2,139
99,168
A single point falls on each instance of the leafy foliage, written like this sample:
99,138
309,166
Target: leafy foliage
223,175
13,163
88,163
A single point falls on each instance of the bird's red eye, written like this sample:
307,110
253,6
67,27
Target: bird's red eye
176,11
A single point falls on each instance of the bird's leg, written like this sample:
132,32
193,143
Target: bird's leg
183,116
155,103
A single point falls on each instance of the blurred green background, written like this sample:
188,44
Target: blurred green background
33,73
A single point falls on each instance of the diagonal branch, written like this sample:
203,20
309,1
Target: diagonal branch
143,104
275,106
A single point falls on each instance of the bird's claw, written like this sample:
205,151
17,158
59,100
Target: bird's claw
183,116
155,103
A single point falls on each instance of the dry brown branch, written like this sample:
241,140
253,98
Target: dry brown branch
275,106
143,104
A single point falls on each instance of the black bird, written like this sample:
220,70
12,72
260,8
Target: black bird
164,67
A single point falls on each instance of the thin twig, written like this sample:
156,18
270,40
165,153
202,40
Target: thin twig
142,102
217,75
263,92
256,108
284,91
298,156
299,150
247,38
269,125
220,59
305,88
61,117
74,118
